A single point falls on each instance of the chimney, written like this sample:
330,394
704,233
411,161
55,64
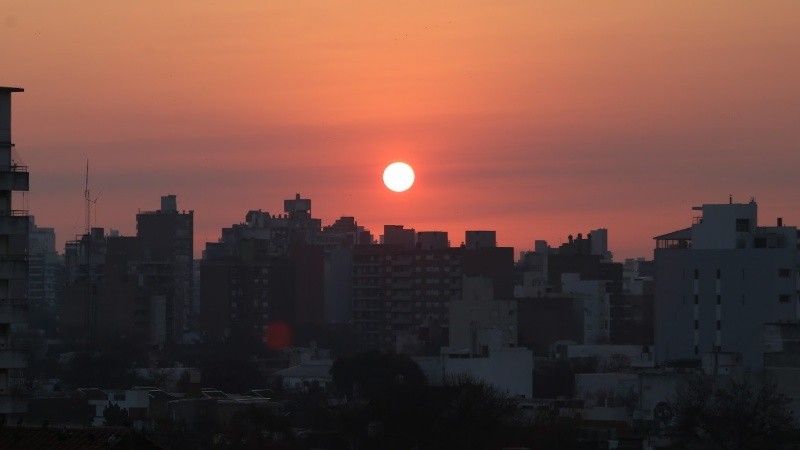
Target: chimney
780,221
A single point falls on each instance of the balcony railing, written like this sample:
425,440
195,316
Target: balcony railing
13,168
15,212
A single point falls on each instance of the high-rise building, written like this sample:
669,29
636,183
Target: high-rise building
266,271
719,281
338,240
45,277
134,288
166,238
402,289
13,270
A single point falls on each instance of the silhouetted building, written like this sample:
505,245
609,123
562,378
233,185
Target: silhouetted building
132,288
430,240
266,271
45,277
402,291
13,271
166,237
581,269
84,264
481,239
396,235
244,290
719,281
104,299
339,239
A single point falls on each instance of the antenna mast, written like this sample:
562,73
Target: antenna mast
88,200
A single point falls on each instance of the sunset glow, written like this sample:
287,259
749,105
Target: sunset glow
531,118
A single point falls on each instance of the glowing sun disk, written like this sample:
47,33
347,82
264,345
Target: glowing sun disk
398,176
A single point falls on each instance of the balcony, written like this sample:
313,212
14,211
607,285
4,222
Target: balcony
14,223
14,178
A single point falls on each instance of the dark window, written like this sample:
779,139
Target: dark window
696,274
696,350
719,274
719,325
760,242
784,273
783,298
742,225
696,299
719,299
696,325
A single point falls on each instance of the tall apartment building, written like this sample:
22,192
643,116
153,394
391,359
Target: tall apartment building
402,289
84,274
134,288
13,270
166,238
719,281
338,240
45,277
267,270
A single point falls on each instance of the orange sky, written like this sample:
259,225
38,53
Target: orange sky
534,118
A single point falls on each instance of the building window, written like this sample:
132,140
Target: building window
719,274
784,273
696,325
696,350
719,299
742,225
719,325
783,298
696,274
696,299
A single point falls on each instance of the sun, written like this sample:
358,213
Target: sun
398,176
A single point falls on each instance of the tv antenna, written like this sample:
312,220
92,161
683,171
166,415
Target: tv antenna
88,198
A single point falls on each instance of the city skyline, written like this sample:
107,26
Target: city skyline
533,120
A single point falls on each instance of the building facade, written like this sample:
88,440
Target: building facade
402,289
166,238
718,282
13,270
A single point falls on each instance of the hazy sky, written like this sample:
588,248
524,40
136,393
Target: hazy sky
534,118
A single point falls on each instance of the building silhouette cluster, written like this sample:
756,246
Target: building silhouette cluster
564,328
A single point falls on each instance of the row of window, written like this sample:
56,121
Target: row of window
782,298
782,273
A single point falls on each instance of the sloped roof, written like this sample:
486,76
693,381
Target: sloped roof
684,234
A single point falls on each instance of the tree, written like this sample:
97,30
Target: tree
115,416
368,374
734,413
